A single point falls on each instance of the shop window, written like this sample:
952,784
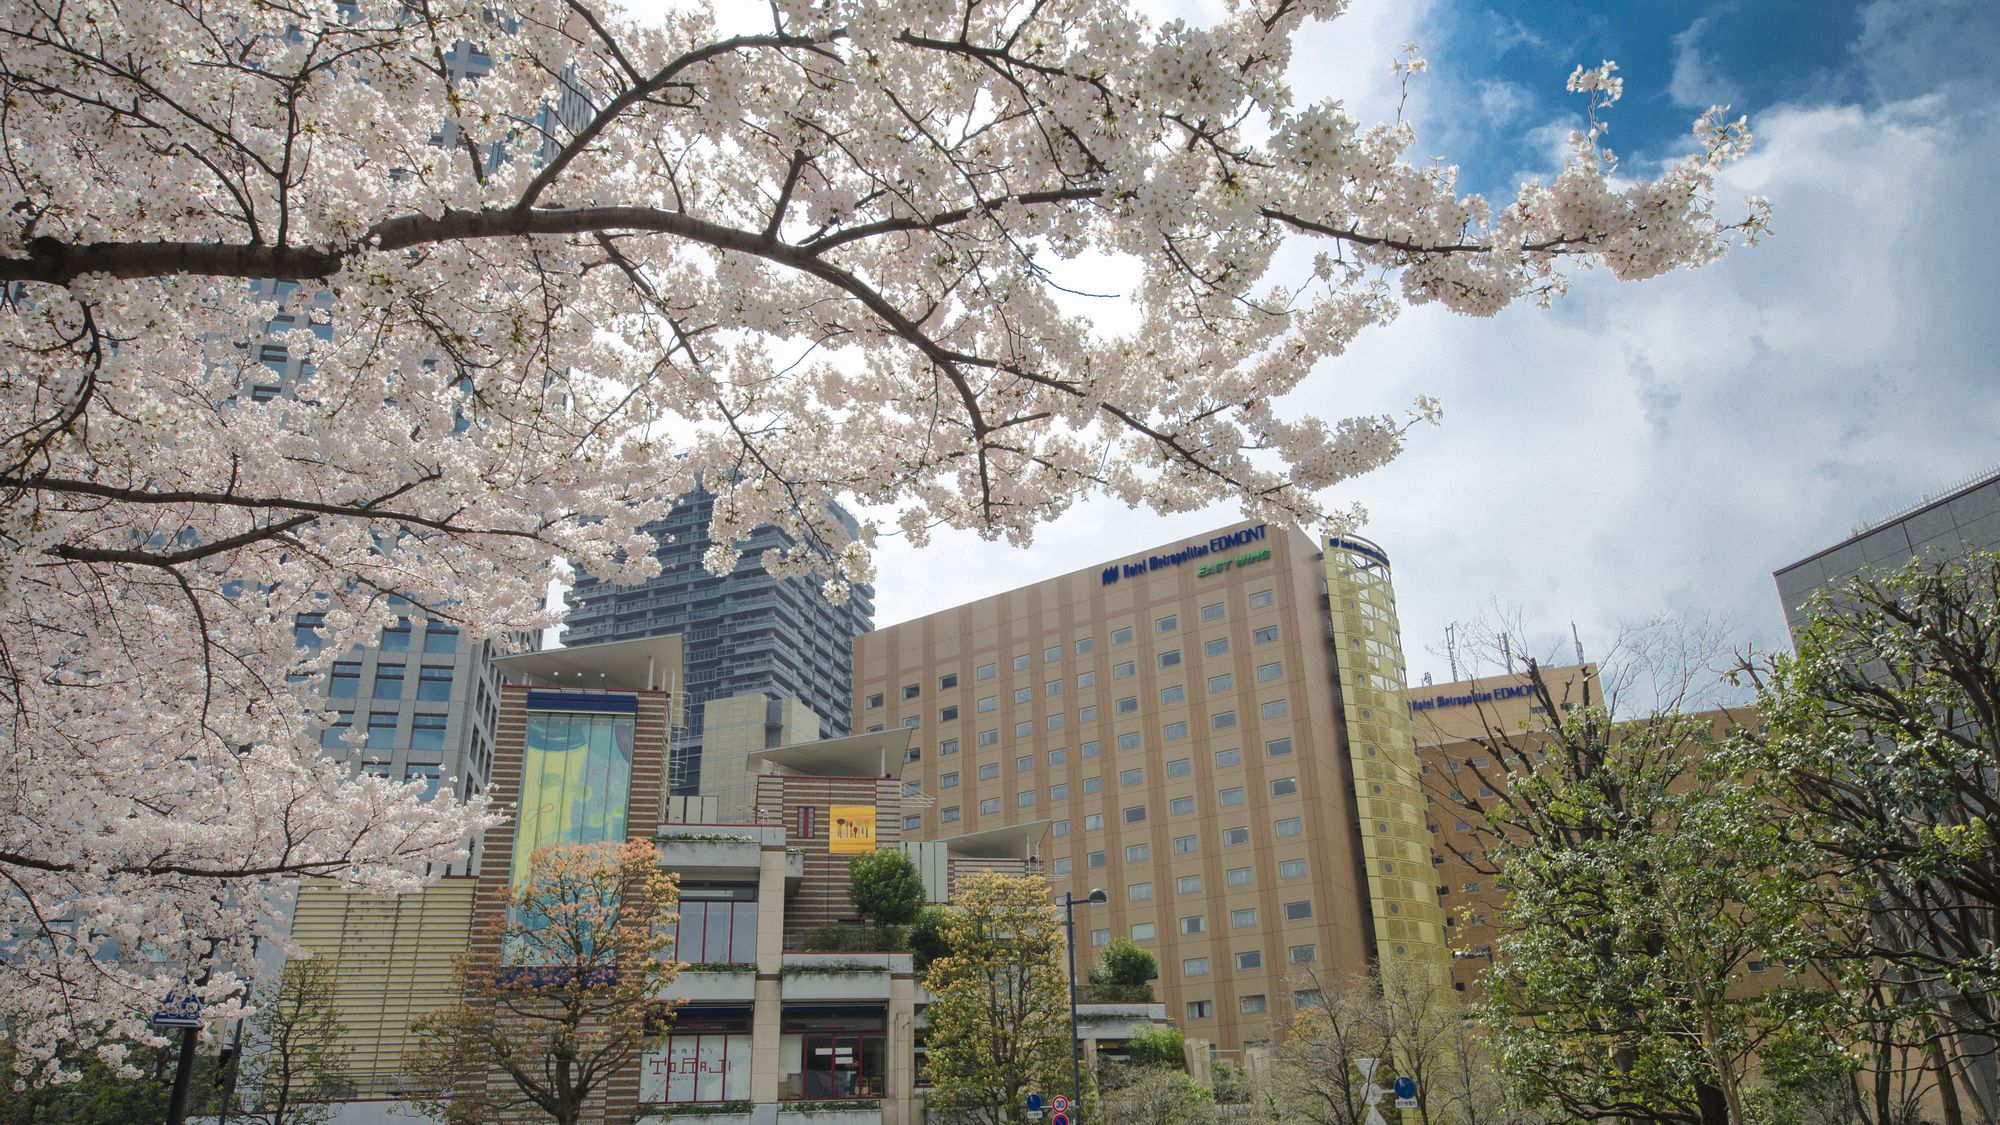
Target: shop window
832,1056
706,1059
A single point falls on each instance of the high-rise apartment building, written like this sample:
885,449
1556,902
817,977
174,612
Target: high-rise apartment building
1961,518
747,633
1208,738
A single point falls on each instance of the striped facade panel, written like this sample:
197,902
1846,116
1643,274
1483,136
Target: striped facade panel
801,804
393,961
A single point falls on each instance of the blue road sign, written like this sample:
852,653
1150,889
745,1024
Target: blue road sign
1034,1103
1059,1118
180,1008
1406,1086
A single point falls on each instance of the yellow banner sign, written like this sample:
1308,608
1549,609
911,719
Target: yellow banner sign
852,830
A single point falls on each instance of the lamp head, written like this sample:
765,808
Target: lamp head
1098,896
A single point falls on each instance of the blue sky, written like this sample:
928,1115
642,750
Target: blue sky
1656,448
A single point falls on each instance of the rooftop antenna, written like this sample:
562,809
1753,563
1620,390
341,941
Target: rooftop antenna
1577,641
1451,648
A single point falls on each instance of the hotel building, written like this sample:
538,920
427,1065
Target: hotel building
1215,731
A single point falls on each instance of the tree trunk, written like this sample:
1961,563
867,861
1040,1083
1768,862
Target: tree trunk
1954,1114
1713,1104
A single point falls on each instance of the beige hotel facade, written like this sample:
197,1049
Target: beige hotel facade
1214,731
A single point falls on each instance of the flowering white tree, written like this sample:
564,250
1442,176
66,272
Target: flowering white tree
537,298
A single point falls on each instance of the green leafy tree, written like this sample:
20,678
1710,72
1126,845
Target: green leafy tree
927,937
99,1095
1157,1095
1124,974
886,888
1642,879
574,999
999,1026
293,1056
1157,1046
1880,738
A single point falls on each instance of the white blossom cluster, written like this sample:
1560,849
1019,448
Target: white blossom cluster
538,304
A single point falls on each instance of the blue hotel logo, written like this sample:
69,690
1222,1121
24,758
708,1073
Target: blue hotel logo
1192,551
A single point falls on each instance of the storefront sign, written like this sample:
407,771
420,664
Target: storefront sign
851,829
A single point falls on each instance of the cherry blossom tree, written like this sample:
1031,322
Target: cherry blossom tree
537,268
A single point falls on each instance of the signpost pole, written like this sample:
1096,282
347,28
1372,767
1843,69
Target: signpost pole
177,1106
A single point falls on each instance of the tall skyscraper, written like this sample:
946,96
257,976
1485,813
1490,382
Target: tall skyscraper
1216,732
746,633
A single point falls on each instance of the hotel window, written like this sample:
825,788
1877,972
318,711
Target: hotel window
1180,767
1055,722
1194,966
987,703
1126,705
1021,663
1289,826
986,671
1093,821
1243,919
1200,1009
1188,885
1024,764
1122,671
1277,747
1100,938
1231,836
1093,859
1129,740
1305,996
347,679
913,822
1084,645
989,806
1173,693
1059,828
1213,611
1230,796
1186,845
1284,786
1174,730
1264,636
948,714
911,691
1276,709
1302,954
948,746
1180,806
1250,959
1291,868
1132,777
1025,799
1238,877
1061,865
948,780
989,738
1087,714
948,681
1139,892
1059,755
1221,683
1091,785
1053,687
1194,924
1138,853
1086,679
1144,931
1167,624
1170,658
1134,814
1051,654
948,814
427,732
434,683
1089,749
1228,757
440,638
1298,911
1222,720
989,771
1022,694
1059,792
388,683
1272,671
1217,647
1250,1005
1122,636
913,721
1261,598
1024,729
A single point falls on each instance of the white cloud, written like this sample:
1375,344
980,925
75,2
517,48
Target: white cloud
1695,80
1502,102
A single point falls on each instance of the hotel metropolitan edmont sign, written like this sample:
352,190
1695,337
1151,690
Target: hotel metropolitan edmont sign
1209,550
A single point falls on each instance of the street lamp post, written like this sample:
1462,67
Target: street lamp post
1069,902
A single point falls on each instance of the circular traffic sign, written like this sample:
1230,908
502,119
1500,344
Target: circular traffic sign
1406,1087
1059,1118
1062,1104
1034,1103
